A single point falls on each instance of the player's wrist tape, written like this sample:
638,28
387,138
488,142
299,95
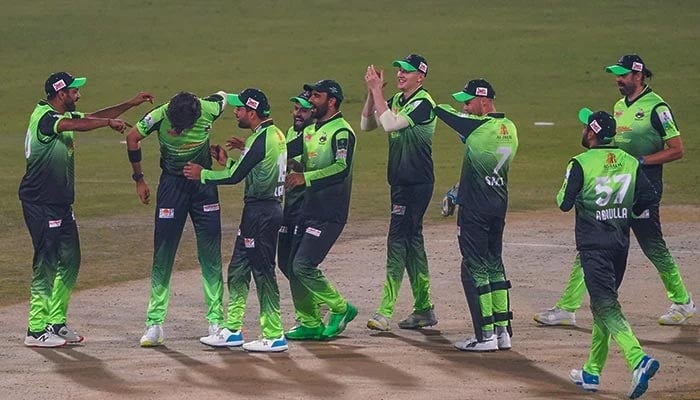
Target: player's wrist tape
134,155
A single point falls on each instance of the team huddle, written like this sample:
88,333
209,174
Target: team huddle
296,201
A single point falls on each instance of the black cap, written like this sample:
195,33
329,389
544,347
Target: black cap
475,88
412,63
628,63
251,98
326,86
600,122
62,80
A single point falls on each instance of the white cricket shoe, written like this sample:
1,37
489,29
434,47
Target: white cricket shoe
378,322
153,336
64,331
223,338
267,345
487,344
503,340
47,339
555,316
678,314
213,329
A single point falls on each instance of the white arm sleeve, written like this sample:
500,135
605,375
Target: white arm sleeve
368,123
392,122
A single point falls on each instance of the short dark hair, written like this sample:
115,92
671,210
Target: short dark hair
183,111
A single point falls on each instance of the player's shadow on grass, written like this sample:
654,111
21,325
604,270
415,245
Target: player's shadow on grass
242,374
509,365
344,360
87,371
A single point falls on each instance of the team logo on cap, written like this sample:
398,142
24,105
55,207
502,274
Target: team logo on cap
637,66
423,67
595,126
482,91
252,103
59,85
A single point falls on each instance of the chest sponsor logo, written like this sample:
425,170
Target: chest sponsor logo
397,209
322,139
639,114
55,223
249,243
210,207
618,114
166,213
313,231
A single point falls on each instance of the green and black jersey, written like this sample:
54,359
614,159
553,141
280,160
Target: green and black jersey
192,144
491,142
263,164
327,149
411,148
294,198
607,186
50,173
643,126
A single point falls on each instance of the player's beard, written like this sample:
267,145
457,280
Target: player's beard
320,110
69,104
626,89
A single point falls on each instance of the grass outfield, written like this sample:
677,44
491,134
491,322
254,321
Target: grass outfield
545,60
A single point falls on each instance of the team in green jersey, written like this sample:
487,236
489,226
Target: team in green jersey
608,188
314,163
646,130
47,193
409,121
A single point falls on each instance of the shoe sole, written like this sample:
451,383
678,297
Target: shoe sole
419,326
643,385
221,346
673,323
275,350
557,323
471,350
375,326
151,344
38,346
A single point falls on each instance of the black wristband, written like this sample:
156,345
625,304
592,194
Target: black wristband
134,155
137,177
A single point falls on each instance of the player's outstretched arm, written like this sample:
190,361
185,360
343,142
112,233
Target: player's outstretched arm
119,109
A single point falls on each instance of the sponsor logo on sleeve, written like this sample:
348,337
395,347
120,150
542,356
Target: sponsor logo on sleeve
55,223
249,243
166,213
398,209
313,231
211,207
665,117
341,154
148,121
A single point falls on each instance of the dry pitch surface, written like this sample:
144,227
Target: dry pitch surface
402,364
